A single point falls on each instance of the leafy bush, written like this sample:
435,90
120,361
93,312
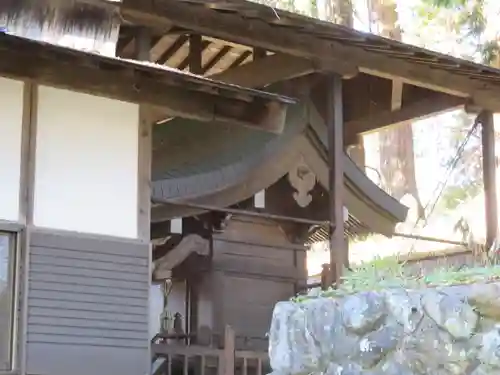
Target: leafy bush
385,273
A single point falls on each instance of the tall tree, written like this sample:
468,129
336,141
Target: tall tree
397,158
468,20
337,11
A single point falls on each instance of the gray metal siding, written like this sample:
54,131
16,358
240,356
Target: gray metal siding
87,306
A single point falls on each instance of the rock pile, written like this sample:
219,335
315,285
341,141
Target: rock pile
448,330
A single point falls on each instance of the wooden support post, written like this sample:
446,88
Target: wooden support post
489,177
195,54
142,52
193,283
335,123
258,53
143,44
226,360
325,277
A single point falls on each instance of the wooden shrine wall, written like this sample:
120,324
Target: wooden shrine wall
255,266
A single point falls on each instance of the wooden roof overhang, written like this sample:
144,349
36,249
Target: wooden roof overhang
249,44
389,82
316,45
194,163
178,93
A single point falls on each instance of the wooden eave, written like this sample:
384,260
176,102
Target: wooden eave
367,99
258,166
328,46
180,94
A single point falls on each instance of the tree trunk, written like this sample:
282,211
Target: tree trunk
397,158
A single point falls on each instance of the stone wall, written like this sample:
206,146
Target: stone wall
446,330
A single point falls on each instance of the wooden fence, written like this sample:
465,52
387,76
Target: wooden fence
178,359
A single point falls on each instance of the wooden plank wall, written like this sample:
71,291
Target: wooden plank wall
87,305
255,266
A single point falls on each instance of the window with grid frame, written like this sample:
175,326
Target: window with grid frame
7,295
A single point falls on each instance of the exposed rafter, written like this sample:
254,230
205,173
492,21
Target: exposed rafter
259,73
267,70
173,48
240,59
215,59
333,53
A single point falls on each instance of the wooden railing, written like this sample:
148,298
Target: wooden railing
179,359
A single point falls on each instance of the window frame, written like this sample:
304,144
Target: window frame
12,232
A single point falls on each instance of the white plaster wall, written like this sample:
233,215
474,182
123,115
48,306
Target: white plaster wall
176,302
156,302
177,298
11,112
86,163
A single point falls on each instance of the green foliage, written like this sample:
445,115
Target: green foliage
489,51
387,273
381,273
462,159
447,3
469,20
446,276
453,196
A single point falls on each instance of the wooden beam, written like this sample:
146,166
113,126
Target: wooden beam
418,78
243,267
397,94
262,72
489,177
335,124
122,43
266,70
259,53
143,42
174,47
194,57
196,48
216,59
265,35
167,12
240,59
137,83
415,111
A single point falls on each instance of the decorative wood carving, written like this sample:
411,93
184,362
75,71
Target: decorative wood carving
192,243
302,179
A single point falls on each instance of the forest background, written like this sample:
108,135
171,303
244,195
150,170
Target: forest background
431,165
